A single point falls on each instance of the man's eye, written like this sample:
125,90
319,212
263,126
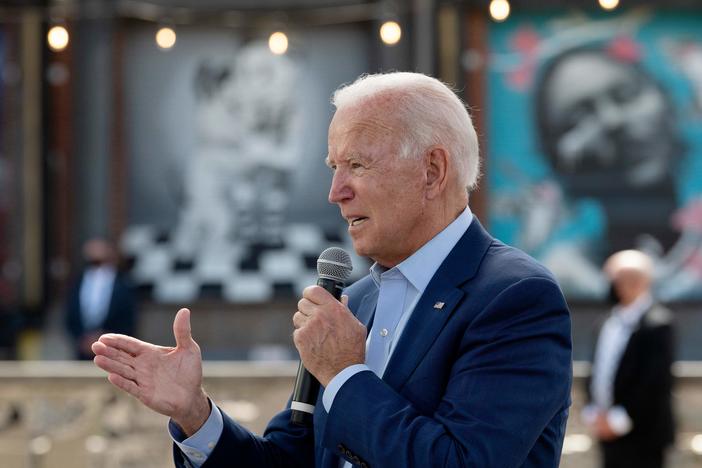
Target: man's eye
356,165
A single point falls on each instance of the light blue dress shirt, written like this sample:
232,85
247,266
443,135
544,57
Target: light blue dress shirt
414,273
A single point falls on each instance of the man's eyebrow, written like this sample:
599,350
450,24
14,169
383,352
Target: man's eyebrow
355,156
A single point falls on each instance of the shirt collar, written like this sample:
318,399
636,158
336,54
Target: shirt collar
631,314
419,268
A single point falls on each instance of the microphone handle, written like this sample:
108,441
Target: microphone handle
306,385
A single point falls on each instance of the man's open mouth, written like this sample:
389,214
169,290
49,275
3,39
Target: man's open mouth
357,221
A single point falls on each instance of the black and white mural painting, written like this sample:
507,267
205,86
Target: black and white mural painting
596,144
227,143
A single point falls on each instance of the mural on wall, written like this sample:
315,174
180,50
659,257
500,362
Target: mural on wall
596,144
247,144
228,182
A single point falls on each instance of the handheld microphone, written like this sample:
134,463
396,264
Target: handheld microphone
333,267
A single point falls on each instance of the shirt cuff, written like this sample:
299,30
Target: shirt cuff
340,379
589,414
199,446
619,420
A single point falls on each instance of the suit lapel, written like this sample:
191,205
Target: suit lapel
429,317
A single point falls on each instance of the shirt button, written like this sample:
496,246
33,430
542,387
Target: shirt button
211,445
384,332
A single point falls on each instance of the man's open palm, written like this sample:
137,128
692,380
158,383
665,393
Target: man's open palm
166,379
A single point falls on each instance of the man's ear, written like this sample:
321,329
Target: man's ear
437,167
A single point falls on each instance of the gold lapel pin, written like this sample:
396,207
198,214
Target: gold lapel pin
439,305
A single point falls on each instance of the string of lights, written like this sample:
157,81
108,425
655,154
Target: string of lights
60,13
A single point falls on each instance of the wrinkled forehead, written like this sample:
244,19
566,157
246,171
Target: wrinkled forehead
364,124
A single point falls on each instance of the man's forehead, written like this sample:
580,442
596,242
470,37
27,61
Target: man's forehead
365,116
350,133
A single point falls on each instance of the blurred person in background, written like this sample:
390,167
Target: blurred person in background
101,301
630,409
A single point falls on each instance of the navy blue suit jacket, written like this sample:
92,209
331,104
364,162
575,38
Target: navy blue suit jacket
121,313
483,381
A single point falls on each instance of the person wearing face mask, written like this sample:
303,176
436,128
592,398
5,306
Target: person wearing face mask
629,409
102,300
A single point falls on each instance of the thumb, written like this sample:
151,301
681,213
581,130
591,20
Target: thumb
345,300
181,329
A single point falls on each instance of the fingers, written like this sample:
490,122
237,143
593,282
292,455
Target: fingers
181,329
125,343
124,384
115,354
317,295
115,367
314,299
306,307
299,319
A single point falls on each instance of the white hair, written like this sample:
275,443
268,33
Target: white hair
430,111
629,260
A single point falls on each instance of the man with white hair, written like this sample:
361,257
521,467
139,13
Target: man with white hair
454,351
630,390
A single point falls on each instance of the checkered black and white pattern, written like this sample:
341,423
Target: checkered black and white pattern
240,272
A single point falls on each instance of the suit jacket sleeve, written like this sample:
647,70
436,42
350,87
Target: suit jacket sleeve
647,384
509,377
282,445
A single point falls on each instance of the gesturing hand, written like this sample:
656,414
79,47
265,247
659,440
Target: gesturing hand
328,336
166,379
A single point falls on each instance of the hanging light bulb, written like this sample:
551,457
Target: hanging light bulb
278,43
165,38
609,4
57,38
390,33
499,10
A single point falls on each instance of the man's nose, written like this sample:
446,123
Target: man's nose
340,189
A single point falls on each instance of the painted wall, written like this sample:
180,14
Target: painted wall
595,143
226,153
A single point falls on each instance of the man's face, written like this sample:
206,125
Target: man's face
609,118
630,285
379,194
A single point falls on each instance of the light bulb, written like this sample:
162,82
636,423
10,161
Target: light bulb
390,33
58,38
166,38
609,4
499,10
278,43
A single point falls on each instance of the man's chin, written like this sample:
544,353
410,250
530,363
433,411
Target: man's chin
360,248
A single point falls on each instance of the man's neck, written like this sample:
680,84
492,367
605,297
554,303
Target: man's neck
440,223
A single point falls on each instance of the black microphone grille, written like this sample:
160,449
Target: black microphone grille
334,264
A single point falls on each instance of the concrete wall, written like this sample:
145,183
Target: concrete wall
65,414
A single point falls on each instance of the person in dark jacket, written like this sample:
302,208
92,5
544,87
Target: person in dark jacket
102,300
630,409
